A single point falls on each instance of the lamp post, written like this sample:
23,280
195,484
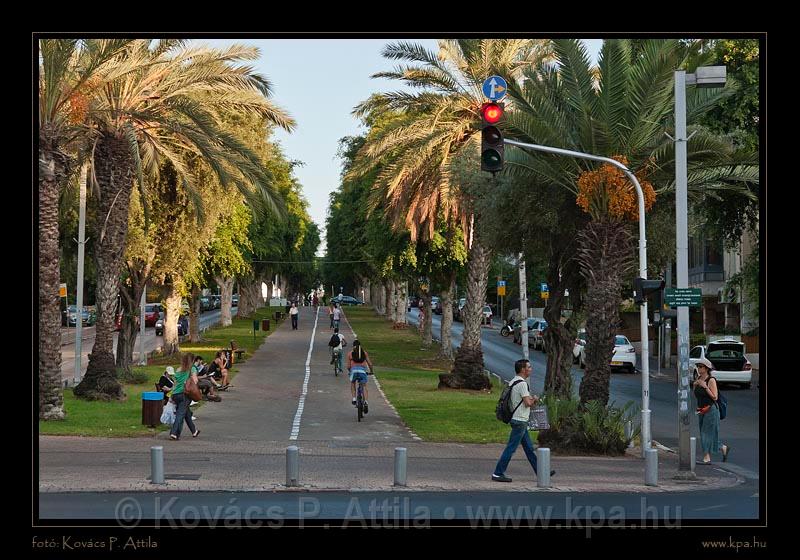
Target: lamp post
708,76
642,273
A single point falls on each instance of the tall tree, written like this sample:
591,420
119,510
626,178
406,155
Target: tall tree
160,101
415,152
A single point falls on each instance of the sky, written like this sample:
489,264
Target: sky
319,82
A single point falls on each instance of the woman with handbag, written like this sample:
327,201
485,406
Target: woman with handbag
707,393
185,390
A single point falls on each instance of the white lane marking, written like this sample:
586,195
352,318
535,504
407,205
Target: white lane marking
302,403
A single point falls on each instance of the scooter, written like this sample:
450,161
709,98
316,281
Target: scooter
508,328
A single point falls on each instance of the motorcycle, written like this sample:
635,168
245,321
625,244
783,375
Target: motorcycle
508,328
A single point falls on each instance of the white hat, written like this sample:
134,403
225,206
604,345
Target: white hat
170,370
705,362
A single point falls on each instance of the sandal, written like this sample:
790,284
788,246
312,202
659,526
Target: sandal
725,453
173,437
197,433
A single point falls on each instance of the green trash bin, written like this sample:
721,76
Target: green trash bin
152,407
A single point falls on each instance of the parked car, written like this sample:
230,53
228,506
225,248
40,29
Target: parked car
729,360
624,356
347,300
580,342
436,305
206,304
152,313
413,301
518,331
235,300
183,326
486,316
88,318
216,301
457,308
535,337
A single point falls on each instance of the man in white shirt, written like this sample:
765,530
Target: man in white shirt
337,351
293,313
521,402
337,316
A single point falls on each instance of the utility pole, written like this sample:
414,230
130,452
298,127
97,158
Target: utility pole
79,299
142,356
523,306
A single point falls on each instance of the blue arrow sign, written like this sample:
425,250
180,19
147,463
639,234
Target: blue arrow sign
495,88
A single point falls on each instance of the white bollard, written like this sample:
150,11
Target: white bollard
543,467
157,465
651,467
400,472
292,465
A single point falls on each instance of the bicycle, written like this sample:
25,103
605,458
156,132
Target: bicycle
360,400
337,368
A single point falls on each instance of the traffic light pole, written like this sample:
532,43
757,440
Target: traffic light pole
645,437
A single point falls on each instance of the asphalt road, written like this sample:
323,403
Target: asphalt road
740,429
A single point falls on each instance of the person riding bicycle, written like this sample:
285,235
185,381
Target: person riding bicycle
358,372
337,344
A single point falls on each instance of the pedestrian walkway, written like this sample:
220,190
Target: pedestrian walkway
243,440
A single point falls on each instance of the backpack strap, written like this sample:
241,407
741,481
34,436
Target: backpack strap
509,396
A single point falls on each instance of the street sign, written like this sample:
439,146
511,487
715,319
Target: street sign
683,297
501,283
495,88
545,295
62,290
544,288
501,290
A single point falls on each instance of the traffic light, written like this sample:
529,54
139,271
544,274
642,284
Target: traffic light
492,148
642,287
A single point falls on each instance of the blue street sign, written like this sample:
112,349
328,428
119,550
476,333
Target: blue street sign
544,288
495,88
501,283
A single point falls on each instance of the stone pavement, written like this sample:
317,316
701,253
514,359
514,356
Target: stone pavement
275,398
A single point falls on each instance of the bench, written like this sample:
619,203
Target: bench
239,354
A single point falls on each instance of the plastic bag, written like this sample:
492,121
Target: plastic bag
168,416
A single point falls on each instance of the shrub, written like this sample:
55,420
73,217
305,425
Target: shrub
593,428
133,377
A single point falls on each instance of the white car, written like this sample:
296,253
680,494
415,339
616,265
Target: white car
728,358
624,356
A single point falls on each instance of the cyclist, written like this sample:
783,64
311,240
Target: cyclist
337,343
337,316
358,373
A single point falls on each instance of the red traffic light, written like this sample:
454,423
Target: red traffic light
492,112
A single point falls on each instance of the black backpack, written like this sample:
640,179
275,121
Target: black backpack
503,410
334,341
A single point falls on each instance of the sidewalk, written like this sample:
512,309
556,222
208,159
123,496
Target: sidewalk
243,441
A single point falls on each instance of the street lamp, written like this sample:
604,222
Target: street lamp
706,77
643,323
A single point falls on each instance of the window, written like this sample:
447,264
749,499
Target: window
697,352
621,341
713,254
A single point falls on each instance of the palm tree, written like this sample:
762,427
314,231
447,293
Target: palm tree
68,71
622,109
415,153
160,102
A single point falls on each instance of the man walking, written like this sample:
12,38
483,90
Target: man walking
521,402
293,313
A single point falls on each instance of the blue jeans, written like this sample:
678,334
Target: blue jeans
336,323
519,433
182,413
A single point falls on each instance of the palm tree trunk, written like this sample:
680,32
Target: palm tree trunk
131,297
605,256
380,298
51,172
447,319
249,290
226,285
425,327
401,302
114,174
468,370
391,311
558,341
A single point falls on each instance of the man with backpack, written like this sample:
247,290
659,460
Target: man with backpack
515,408
336,344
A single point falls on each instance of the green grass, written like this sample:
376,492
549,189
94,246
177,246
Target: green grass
409,377
124,418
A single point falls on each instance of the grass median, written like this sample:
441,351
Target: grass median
124,418
409,377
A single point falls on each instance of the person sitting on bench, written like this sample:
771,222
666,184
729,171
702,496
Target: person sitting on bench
205,381
218,369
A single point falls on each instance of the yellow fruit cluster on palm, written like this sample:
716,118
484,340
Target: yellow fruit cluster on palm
607,191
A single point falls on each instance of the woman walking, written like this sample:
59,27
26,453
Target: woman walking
706,392
181,400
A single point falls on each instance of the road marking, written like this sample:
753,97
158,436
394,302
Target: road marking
302,403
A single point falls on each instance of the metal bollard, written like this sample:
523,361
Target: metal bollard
292,465
651,467
645,435
629,433
400,471
693,452
157,465
543,467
